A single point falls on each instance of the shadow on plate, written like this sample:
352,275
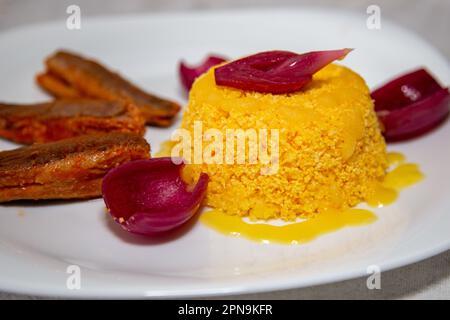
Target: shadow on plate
45,203
131,238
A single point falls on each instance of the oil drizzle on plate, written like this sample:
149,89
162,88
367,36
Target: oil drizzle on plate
292,233
400,176
395,158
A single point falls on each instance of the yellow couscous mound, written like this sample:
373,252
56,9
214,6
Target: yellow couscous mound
331,152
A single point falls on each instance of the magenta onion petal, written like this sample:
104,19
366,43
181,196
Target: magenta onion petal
189,73
411,105
148,197
275,72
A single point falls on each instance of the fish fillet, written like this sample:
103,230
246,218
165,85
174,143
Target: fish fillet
67,118
66,169
70,75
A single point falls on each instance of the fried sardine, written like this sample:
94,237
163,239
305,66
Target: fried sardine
66,169
69,75
67,118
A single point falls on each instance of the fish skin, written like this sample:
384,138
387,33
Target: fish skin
68,73
66,169
67,118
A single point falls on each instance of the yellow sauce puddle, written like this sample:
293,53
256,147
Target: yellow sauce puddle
293,233
395,158
402,175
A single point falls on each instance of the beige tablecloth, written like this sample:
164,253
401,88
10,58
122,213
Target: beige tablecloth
429,279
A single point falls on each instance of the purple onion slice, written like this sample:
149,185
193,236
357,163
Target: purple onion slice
149,197
275,72
188,74
411,105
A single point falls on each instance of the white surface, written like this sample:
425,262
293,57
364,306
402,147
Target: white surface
37,247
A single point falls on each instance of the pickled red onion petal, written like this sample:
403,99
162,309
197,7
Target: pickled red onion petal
411,105
275,72
148,197
188,74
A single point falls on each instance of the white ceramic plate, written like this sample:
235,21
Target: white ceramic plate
39,241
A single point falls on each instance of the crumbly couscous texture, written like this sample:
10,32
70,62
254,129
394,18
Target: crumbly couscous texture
331,151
